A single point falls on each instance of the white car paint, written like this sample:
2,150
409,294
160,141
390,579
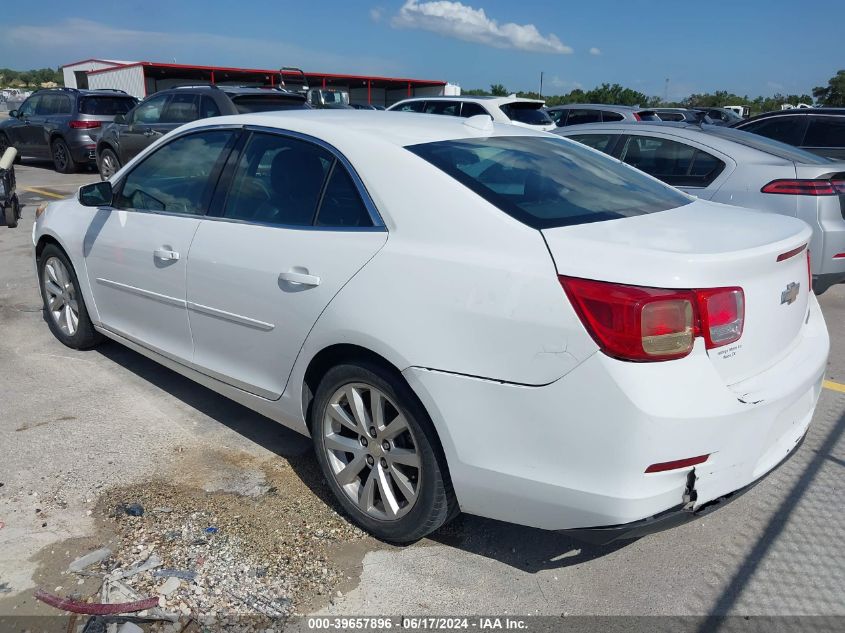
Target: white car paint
491,105
537,425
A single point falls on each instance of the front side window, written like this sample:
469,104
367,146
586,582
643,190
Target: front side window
29,106
548,182
411,106
601,142
672,162
785,129
176,178
278,180
151,110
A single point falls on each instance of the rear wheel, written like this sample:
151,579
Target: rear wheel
12,213
62,159
108,164
378,450
64,306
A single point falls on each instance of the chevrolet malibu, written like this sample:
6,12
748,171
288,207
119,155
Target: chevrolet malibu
464,316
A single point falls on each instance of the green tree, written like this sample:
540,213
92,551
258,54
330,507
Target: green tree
832,95
476,92
498,90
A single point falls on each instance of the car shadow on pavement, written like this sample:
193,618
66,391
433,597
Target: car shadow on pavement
528,549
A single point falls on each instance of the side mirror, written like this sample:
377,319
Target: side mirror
120,118
97,194
13,114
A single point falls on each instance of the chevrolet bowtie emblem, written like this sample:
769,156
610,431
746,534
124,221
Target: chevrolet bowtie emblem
789,295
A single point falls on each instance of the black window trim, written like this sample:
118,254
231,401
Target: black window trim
622,141
214,176
224,183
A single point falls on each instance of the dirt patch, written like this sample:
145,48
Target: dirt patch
34,425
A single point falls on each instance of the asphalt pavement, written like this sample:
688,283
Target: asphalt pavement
75,424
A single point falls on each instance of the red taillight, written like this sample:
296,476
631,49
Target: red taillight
801,187
678,463
654,324
85,125
788,254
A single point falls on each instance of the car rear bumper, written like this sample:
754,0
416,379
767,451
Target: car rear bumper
573,454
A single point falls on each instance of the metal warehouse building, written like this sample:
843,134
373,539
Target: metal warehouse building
141,79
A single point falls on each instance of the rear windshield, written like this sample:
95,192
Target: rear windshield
526,112
766,144
266,103
547,182
106,106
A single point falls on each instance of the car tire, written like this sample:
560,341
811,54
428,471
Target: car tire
393,500
107,163
60,293
11,214
62,158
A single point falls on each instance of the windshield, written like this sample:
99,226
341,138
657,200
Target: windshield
526,112
266,103
546,182
768,145
106,106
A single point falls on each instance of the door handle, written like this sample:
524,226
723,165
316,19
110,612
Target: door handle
303,279
166,255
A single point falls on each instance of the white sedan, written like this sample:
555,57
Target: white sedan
464,316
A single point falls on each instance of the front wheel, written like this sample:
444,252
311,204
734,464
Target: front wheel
108,164
64,306
379,453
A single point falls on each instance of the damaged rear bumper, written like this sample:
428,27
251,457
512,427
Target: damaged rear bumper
683,513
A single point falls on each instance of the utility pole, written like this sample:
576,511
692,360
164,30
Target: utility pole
666,92
541,83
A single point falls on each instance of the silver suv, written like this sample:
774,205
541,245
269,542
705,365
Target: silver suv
63,124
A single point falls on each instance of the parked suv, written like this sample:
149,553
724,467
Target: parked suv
817,130
515,110
62,124
166,110
579,113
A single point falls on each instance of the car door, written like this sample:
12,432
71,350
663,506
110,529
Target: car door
265,267
682,164
143,126
20,134
136,250
37,124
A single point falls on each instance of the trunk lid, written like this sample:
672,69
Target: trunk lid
704,245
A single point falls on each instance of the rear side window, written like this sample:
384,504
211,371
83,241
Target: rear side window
609,117
825,131
278,181
602,142
106,105
208,108
785,129
549,182
672,162
182,108
558,116
526,112
342,205
411,106
670,116
266,103
54,104
647,115
470,108
451,108
176,178
577,117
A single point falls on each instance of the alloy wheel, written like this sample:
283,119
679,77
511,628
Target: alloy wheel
60,156
62,303
371,451
108,165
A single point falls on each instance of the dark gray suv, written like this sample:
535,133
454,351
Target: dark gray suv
62,124
164,111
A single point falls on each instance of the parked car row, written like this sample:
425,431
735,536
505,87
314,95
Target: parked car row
585,348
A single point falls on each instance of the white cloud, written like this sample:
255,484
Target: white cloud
67,41
376,14
595,51
557,82
453,19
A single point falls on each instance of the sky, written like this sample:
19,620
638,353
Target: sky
754,47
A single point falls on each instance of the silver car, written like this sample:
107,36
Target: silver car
581,113
726,165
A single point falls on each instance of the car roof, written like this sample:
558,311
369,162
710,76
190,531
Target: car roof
730,139
83,92
346,127
600,106
796,111
484,98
